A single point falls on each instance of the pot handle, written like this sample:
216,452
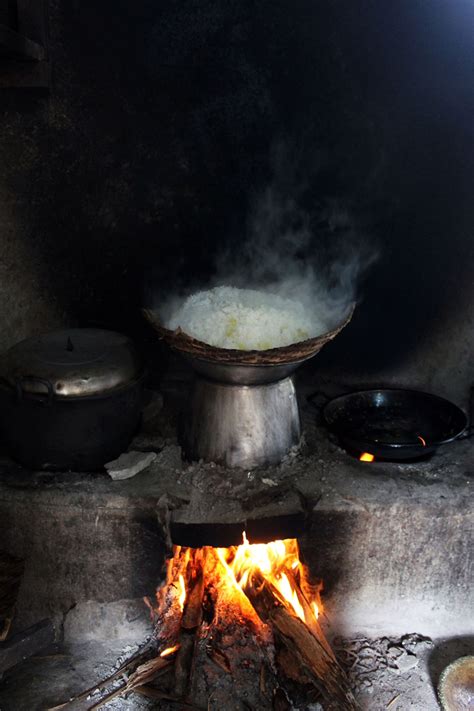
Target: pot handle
20,393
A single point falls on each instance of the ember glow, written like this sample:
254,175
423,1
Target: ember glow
169,651
366,457
174,575
182,591
422,440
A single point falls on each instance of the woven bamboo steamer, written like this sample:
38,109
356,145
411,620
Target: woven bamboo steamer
192,347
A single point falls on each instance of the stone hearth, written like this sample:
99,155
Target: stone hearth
390,541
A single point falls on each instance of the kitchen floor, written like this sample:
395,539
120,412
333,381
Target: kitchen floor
393,674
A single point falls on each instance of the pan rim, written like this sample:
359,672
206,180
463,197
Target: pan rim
397,445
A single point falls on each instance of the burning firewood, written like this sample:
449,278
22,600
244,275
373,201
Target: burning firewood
143,670
311,652
241,629
274,582
190,622
146,672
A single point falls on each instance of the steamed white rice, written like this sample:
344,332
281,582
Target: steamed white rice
245,319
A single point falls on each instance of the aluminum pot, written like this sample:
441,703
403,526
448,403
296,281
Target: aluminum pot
70,399
241,424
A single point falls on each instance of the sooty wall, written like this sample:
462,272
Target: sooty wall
162,128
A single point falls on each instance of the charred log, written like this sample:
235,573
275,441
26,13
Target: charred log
310,651
190,623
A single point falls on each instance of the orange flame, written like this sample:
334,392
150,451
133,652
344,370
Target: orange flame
182,591
366,457
176,571
422,440
169,650
278,562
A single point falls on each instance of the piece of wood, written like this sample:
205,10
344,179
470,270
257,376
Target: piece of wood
278,515
11,573
289,667
145,673
281,701
183,664
134,661
190,622
219,658
318,664
192,613
25,644
310,618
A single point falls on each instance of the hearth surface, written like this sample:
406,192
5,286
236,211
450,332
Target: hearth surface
318,467
68,669
369,538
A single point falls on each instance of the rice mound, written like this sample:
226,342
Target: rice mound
245,319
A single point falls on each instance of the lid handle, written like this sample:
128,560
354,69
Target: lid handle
31,379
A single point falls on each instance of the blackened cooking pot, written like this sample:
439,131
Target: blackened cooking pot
71,399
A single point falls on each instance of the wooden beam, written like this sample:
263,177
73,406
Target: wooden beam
309,650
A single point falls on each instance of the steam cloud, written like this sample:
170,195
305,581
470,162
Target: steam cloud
317,259
285,253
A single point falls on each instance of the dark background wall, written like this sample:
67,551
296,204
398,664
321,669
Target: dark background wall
167,119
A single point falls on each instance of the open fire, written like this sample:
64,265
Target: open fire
249,607
276,563
235,628
279,564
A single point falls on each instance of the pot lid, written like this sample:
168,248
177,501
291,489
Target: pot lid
73,362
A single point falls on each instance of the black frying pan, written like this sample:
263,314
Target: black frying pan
394,424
